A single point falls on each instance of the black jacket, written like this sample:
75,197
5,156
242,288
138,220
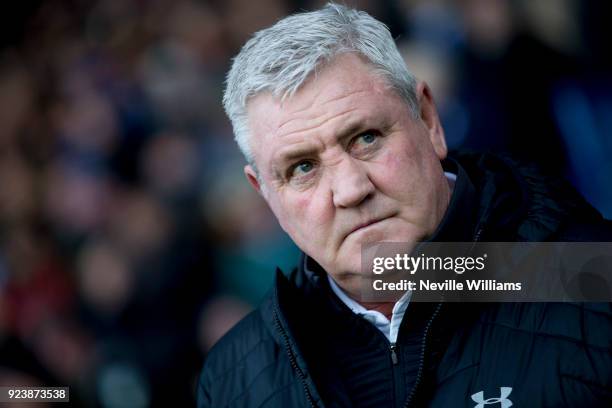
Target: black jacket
454,355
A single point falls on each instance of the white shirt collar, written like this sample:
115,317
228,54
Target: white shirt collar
390,328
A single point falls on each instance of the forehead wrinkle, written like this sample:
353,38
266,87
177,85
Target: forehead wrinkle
337,96
342,96
297,111
303,146
317,124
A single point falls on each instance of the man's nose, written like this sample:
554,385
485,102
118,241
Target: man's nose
351,184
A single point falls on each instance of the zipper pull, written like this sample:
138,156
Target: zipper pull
392,348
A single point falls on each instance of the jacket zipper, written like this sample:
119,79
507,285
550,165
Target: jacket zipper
392,349
426,336
476,238
422,357
292,358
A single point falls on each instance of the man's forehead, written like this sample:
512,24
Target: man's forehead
269,116
345,75
263,113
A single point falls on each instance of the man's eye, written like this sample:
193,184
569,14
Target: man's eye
367,138
302,168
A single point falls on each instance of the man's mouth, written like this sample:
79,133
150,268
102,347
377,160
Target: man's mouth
367,224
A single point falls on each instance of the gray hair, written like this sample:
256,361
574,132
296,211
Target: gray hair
279,59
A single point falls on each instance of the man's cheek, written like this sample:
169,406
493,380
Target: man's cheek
315,210
299,204
394,167
308,223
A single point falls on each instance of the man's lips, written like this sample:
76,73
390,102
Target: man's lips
366,224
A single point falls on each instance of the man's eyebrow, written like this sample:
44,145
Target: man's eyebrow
351,129
289,156
293,154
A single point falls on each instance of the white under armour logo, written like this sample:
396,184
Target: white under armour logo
503,398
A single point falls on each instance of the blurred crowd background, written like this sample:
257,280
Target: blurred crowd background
129,239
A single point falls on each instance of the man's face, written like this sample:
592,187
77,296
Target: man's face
344,163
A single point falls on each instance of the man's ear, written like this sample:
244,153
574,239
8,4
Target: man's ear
253,179
429,116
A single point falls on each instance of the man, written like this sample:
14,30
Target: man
347,149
